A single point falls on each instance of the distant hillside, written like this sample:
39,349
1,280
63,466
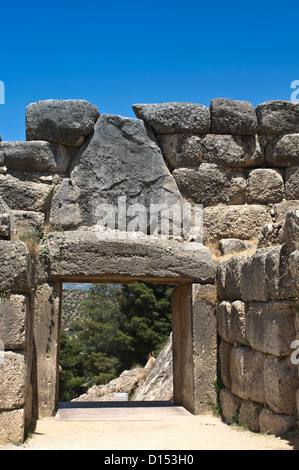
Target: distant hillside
72,299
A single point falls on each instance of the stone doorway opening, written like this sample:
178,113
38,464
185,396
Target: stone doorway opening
194,335
113,339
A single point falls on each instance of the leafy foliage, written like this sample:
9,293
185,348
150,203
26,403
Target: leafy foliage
117,327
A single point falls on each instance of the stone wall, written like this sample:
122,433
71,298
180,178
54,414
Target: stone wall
240,163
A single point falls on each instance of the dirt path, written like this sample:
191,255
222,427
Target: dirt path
205,432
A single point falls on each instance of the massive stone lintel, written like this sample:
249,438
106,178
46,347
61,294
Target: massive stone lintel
81,255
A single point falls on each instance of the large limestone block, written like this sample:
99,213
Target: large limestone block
175,118
237,221
185,150
247,374
13,321
83,255
265,186
230,405
292,182
249,415
13,377
121,159
266,275
281,383
278,117
24,195
36,156
270,326
208,185
232,321
283,151
65,122
232,117
12,426
15,267
46,328
291,230
6,220
277,424
229,277
224,358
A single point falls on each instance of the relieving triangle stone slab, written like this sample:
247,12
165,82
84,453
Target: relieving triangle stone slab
121,158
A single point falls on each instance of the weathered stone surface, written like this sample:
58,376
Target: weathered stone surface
294,266
232,117
292,183
187,150
6,220
280,209
24,195
15,267
230,405
244,222
121,158
281,383
211,185
46,318
36,156
270,326
247,374
266,276
60,121
291,230
249,415
283,151
233,245
204,300
82,254
13,380
265,186
224,357
272,423
12,425
232,321
172,118
29,224
13,321
181,150
229,277
158,385
231,150
271,234
278,117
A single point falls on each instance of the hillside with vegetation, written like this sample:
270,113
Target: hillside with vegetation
108,329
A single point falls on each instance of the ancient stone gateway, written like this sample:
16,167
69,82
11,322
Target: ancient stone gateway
203,198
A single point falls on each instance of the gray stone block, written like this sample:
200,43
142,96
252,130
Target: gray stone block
13,380
15,267
82,255
237,221
230,405
291,230
265,186
277,424
278,117
232,321
229,277
283,151
249,415
233,245
270,326
247,374
211,185
13,321
281,384
175,118
292,183
232,117
121,159
66,122
24,195
181,150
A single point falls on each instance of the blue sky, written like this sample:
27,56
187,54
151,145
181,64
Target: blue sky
115,54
